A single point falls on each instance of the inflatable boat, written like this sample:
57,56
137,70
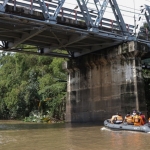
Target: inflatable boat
122,126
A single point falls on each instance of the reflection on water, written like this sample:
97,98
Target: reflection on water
15,135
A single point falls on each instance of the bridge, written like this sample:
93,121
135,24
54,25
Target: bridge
46,25
104,67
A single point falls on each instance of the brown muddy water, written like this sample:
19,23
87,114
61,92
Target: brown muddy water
17,135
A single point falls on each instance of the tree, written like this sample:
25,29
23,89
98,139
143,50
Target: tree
30,82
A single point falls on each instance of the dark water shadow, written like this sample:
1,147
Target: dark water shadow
88,124
14,125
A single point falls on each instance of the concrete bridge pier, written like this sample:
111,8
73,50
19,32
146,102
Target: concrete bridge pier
105,82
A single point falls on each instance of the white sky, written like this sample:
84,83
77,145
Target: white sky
126,7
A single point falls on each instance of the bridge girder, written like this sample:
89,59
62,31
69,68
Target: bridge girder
46,24
27,36
147,15
2,6
145,11
93,25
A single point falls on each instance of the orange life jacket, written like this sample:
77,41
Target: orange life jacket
143,118
119,118
116,118
129,119
138,121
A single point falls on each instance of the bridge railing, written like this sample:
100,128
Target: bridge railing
32,7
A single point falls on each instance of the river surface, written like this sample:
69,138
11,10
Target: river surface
17,135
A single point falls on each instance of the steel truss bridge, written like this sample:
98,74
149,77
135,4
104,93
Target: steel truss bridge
49,27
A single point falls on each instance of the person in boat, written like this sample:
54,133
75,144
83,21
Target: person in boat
143,117
128,119
134,113
137,119
117,119
149,122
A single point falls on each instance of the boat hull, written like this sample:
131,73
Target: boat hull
122,126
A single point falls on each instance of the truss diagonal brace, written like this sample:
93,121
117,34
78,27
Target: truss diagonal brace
44,10
139,21
27,36
147,16
72,40
85,13
101,13
118,16
61,2
2,6
97,1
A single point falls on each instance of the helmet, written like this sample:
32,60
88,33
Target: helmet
140,113
134,111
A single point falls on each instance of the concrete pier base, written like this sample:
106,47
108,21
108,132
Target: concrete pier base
103,83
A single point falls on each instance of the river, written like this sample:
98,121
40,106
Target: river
17,135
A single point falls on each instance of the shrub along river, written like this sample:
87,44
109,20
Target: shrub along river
18,135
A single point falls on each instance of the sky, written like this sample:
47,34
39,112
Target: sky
129,8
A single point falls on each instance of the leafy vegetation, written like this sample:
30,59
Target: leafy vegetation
29,83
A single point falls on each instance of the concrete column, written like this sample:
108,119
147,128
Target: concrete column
104,83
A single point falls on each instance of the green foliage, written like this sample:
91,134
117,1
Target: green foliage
30,83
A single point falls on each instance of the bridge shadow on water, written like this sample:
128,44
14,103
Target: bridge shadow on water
20,125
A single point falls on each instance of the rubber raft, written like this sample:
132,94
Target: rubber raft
122,126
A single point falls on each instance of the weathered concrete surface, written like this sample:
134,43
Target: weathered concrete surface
104,83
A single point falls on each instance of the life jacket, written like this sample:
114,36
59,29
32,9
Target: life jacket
138,121
143,117
118,118
129,119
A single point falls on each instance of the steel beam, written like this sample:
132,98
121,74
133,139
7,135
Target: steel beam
44,9
85,13
2,6
19,50
101,13
147,16
118,17
64,28
46,12
95,48
91,45
60,4
73,39
27,36
139,21
96,1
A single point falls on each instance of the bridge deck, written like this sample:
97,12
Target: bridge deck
23,23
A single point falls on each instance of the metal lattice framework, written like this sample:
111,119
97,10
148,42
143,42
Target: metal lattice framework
141,30
47,25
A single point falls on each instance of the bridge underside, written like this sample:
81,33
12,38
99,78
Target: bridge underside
106,82
21,24
46,37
